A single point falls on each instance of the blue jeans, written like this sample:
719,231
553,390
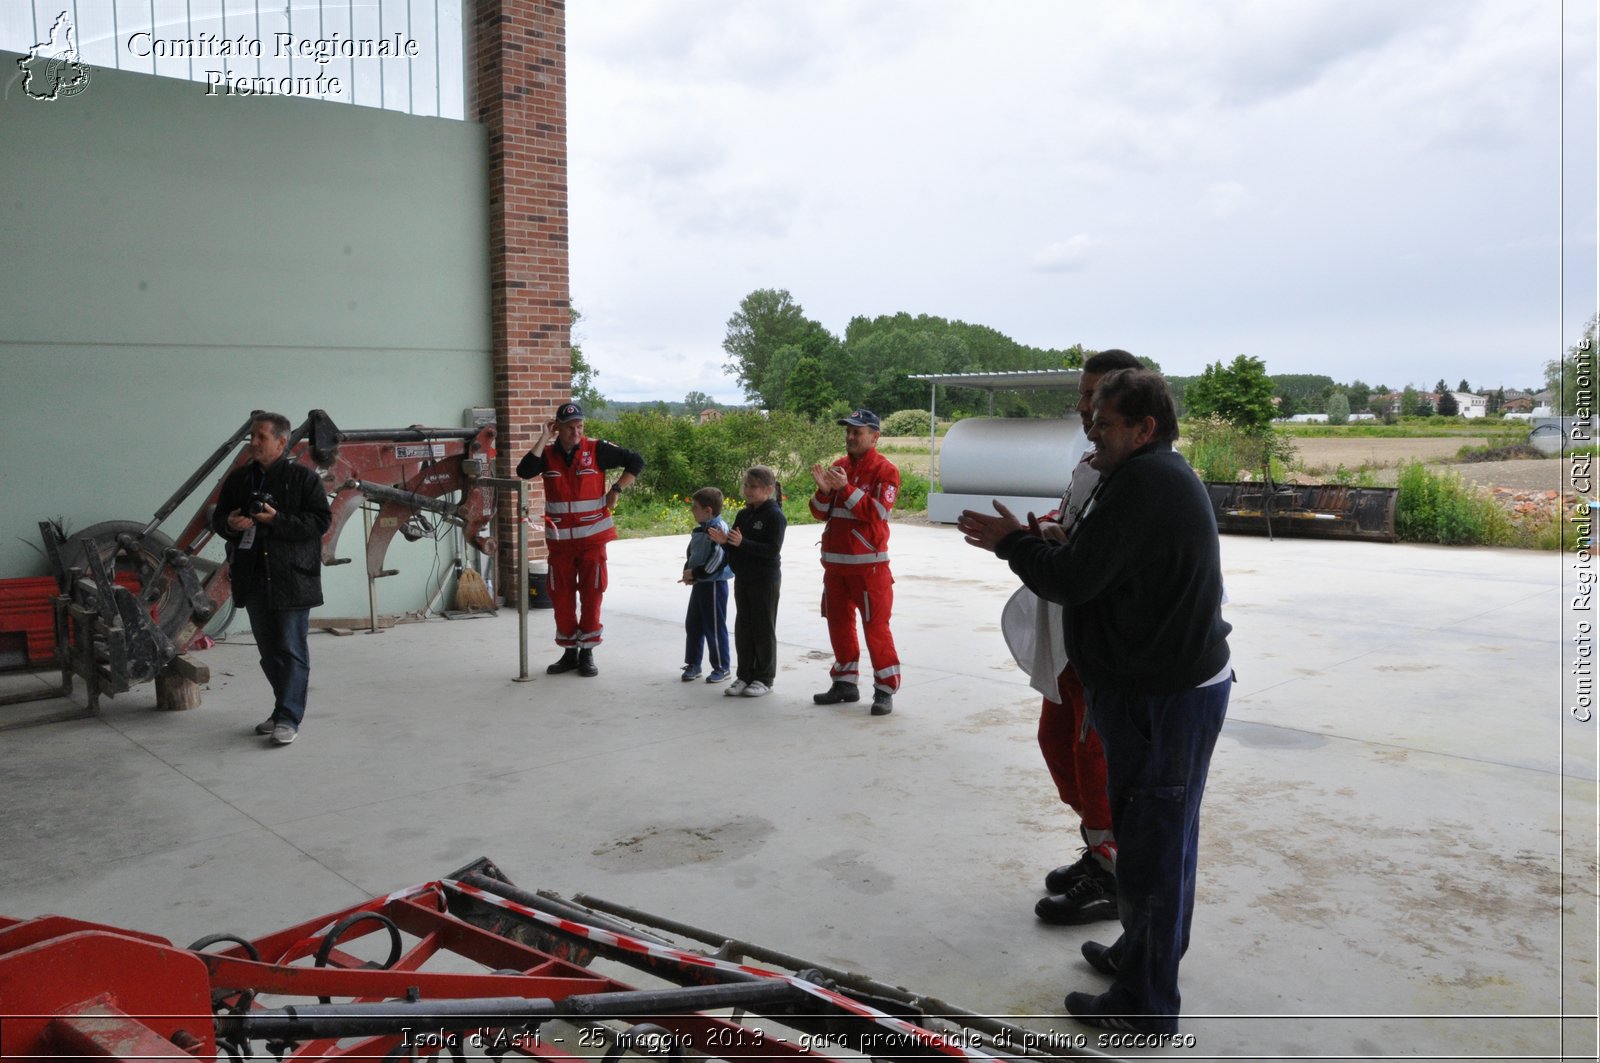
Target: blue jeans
1158,751
285,659
707,625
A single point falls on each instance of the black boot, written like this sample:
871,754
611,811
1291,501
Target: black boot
882,703
837,693
586,666
569,661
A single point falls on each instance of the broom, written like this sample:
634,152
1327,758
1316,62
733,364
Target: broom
472,593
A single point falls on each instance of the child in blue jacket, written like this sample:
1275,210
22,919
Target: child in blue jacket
706,570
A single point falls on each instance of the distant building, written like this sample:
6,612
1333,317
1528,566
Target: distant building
1309,418
1470,405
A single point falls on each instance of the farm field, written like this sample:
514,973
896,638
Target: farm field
1323,455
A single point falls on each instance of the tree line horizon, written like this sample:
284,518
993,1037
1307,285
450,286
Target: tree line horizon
783,360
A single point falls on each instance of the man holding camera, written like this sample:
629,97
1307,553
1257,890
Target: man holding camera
274,512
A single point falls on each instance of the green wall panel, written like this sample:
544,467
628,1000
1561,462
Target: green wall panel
170,261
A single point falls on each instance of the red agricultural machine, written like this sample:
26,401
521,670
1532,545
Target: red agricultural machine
131,600
469,965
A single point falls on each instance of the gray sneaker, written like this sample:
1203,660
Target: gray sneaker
265,727
735,688
283,734
757,689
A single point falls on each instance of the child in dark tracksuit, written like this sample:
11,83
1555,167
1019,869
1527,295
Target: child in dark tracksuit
706,570
753,548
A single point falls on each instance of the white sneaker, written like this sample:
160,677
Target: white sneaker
735,688
756,689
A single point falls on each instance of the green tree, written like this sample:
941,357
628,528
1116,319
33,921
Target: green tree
809,391
1338,408
1497,400
1573,377
767,320
1465,387
1240,394
1409,401
1448,406
1308,390
584,392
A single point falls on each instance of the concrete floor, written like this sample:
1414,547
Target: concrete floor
1399,835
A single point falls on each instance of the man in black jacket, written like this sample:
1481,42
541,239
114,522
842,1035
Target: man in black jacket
1140,577
274,512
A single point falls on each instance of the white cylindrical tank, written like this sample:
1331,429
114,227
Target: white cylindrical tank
1010,456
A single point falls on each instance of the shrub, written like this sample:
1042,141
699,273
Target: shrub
906,423
1222,453
682,456
1441,508
913,497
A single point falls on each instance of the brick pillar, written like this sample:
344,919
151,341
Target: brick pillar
519,84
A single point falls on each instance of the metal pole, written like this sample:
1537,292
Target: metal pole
933,418
372,583
522,580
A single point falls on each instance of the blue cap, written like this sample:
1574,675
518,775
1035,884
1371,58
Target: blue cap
862,419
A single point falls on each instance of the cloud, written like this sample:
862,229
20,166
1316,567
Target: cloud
1067,256
1225,198
756,45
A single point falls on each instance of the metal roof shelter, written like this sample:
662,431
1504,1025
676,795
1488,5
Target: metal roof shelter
941,507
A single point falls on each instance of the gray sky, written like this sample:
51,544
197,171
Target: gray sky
1363,188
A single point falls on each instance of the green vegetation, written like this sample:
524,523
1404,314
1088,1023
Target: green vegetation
1223,452
1240,394
906,423
1574,375
783,360
682,456
1409,428
1435,507
639,517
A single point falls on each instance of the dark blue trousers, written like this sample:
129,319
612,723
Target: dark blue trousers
1158,751
285,659
707,625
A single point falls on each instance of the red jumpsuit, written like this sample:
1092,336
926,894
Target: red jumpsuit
577,526
855,568
1071,747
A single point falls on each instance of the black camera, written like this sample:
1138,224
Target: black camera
259,502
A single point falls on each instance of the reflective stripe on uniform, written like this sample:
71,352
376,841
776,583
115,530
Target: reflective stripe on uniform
854,559
586,505
551,532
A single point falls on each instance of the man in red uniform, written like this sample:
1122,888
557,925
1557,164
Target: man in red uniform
577,526
854,497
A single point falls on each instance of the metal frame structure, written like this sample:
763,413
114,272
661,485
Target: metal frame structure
471,964
115,636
